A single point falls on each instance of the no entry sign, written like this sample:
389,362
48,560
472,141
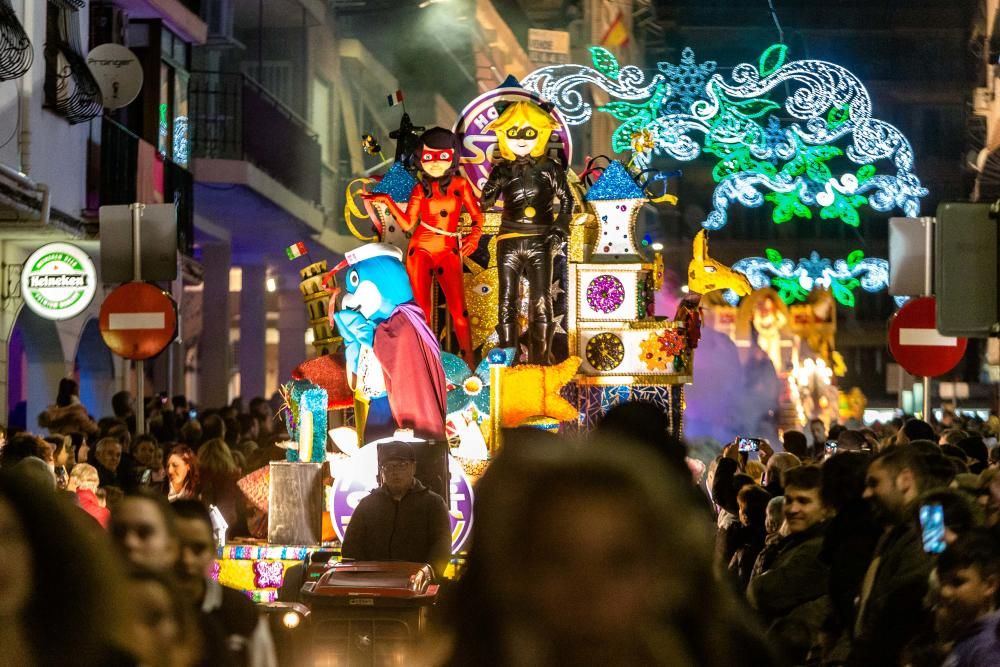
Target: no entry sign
138,320
916,344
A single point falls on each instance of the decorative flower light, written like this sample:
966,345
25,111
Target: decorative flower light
653,354
759,160
472,390
605,293
794,281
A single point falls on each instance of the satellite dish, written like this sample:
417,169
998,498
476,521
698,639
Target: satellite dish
117,72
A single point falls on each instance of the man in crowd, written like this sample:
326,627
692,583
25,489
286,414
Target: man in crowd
108,456
235,632
402,519
966,612
790,582
915,429
890,608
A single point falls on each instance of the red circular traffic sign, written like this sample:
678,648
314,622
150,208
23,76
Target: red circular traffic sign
916,344
138,320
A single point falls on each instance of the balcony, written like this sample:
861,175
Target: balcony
256,163
234,118
181,16
123,169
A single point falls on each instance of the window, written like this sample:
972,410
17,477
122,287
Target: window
172,108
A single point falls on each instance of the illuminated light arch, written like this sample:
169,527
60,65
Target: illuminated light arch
795,280
759,159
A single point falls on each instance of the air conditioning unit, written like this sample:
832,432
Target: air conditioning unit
220,16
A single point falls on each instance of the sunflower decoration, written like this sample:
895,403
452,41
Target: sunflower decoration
467,389
653,355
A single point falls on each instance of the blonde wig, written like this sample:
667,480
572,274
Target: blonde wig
519,115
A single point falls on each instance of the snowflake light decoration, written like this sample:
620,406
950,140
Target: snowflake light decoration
759,160
794,281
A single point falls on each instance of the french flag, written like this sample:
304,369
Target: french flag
395,98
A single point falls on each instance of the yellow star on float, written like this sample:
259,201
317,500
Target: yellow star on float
533,391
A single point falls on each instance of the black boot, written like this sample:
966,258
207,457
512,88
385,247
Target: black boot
538,343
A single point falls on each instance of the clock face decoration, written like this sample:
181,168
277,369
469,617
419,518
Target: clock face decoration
605,294
605,351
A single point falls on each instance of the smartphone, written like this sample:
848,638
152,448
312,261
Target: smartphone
193,414
932,528
748,444
830,447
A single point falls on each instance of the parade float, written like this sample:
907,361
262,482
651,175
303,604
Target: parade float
475,303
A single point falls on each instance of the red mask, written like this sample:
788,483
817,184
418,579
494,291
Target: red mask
437,155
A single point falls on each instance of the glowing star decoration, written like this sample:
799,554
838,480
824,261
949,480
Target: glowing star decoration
686,111
794,281
708,275
616,200
529,391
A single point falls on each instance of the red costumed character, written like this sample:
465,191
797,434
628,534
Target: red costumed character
432,215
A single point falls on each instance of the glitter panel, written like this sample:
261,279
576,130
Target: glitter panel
605,293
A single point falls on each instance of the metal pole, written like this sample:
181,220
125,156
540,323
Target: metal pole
928,291
140,365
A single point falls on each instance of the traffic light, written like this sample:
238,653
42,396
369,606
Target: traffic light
965,269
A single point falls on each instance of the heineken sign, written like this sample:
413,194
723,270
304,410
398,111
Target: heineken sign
58,281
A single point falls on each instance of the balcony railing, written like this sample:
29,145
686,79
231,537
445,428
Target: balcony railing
127,171
234,118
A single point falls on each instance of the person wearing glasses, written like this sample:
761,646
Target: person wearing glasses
402,519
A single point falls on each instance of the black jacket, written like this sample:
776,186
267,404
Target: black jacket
528,186
895,612
415,529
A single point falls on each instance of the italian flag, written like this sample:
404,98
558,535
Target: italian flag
296,250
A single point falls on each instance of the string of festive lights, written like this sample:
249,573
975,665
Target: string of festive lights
759,159
795,280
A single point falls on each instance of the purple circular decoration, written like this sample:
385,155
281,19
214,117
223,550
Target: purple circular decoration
605,294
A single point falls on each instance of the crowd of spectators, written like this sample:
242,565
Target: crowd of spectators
834,547
107,536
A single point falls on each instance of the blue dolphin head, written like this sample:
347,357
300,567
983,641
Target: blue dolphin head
374,283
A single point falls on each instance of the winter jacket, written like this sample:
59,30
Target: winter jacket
415,528
68,419
894,612
90,505
790,585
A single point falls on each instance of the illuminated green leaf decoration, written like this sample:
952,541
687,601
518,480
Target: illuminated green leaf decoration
865,173
772,59
604,61
787,206
843,291
753,108
838,115
845,208
854,258
789,289
774,257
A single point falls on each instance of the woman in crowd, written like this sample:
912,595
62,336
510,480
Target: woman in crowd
56,580
753,501
219,473
165,631
84,480
68,414
575,561
183,476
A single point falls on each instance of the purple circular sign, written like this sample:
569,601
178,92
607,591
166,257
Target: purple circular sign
357,477
479,144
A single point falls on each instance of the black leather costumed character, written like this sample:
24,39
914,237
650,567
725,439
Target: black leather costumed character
533,226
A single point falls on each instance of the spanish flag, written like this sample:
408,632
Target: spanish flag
616,34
